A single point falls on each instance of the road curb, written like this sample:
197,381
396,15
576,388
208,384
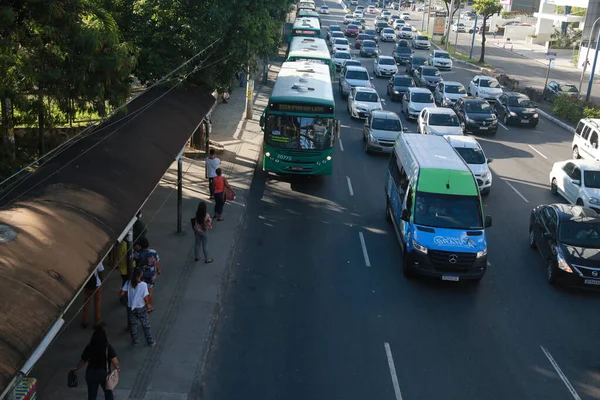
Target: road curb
556,121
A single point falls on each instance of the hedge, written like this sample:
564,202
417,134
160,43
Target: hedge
570,109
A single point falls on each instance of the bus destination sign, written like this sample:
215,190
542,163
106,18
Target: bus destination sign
301,108
304,32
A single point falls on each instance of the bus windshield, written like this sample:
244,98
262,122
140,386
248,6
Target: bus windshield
447,211
299,132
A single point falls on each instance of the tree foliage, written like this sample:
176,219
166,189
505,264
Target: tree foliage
485,8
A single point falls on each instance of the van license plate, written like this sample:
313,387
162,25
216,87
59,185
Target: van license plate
592,282
450,278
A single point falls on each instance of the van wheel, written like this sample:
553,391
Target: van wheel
388,212
576,153
554,187
406,269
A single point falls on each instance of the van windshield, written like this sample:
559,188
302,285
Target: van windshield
447,211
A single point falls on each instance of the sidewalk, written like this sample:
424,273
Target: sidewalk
187,295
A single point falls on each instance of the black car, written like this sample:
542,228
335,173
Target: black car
372,33
516,108
402,52
428,77
369,49
414,63
397,86
476,115
333,28
557,88
380,25
568,239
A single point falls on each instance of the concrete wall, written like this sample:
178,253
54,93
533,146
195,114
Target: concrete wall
518,32
581,60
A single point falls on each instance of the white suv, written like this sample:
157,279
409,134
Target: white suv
585,140
578,181
485,87
470,151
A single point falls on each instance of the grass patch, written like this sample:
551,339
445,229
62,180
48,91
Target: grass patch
458,54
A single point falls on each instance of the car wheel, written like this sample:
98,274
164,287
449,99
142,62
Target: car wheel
533,126
550,272
505,119
579,202
367,150
553,187
531,238
576,153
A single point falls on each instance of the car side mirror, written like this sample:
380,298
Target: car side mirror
489,160
535,106
405,216
405,129
371,77
488,221
576,182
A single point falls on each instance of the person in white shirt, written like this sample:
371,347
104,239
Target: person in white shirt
138,302
91,289
212,163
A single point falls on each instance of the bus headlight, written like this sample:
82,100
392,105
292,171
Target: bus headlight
419,248
328,158
267,154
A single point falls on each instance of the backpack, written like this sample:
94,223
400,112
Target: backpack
207,225
148,271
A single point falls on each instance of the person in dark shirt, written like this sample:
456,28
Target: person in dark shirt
97,355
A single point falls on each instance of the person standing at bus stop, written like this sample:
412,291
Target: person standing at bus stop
212,163
220,185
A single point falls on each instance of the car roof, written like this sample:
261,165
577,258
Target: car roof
384,114
365,89
440,51
585,164
355,68
463,141
484,77
515,94
452,83
335,25
440,110
339,33
568,212
369,41
472,99
353,61
419,90
341,52
385,57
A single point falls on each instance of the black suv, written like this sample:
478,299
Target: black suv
517,109
402,52
476,115
568,239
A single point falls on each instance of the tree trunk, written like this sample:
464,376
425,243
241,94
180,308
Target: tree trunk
8,137
482,58
41,127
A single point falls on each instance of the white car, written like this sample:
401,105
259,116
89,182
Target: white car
440,59
324,10
340,57
387,35
358,14
446,93
458,27
385,66
335,35
381,131
415,99
578,181
438,121
470,150
485,87
348,18
406,32
399,23
405,16
341,44
363,100
421,42
353,2
371,9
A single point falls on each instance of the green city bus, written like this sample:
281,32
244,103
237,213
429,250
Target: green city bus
309,27
310,49
305,13
299,122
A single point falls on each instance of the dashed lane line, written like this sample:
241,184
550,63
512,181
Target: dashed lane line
517,192
341,144
390,359
350,186
364,249
562,376
537,151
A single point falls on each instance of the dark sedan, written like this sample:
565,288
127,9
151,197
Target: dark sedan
415,62
427,77
402,52
397,86
476,115
568,239
352,30
517,109
369,49
379,26
557,88
372,33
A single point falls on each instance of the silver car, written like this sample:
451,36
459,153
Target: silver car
352,77
363,100
381,130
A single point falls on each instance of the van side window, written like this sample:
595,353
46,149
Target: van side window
594,139
580,126
408,200
576,174
394,170
586,132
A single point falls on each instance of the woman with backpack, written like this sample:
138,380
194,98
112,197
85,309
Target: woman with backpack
203,224
138,301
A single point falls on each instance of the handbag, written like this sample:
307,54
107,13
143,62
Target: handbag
72,380
112,379
229,194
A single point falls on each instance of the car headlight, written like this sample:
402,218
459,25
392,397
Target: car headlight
493,116
513,114
419,248
373,139
562,263
485,175
535,115
411,108
471,121
594,200
396,92
482,253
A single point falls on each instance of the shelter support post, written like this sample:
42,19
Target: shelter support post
179,193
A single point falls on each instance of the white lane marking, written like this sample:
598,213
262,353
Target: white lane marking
390,359
350,186
560,374
341,144
537,151
516,191
364,249
502,126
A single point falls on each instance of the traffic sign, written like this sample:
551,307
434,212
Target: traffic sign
550,55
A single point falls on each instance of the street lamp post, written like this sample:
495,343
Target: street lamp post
589,90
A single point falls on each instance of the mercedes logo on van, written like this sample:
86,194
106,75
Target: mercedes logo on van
453,259
594,273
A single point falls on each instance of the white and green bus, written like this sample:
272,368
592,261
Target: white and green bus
299,122
305,13
308,4
309,27
310,49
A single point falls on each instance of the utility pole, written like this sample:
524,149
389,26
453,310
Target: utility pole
457,23
587,54
449,23
590,83
428,16
473,37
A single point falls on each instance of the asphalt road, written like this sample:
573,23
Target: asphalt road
306,317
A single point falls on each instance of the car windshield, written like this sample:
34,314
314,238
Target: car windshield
369,43
369,97
381,24
385,124
442,55
431,72
358,75
479,107
402,81
580,234
352,27
352,62
388,30
342,55
371,32
448,211
421,38
341,41
471,155
324,8
568,88
519,102
421,98
295,132
349,16
407,29
455,89
591,179
443,120
417,61
403,43
491,83
362,36
338,35
387,61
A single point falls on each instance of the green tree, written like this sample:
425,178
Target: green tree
485,8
